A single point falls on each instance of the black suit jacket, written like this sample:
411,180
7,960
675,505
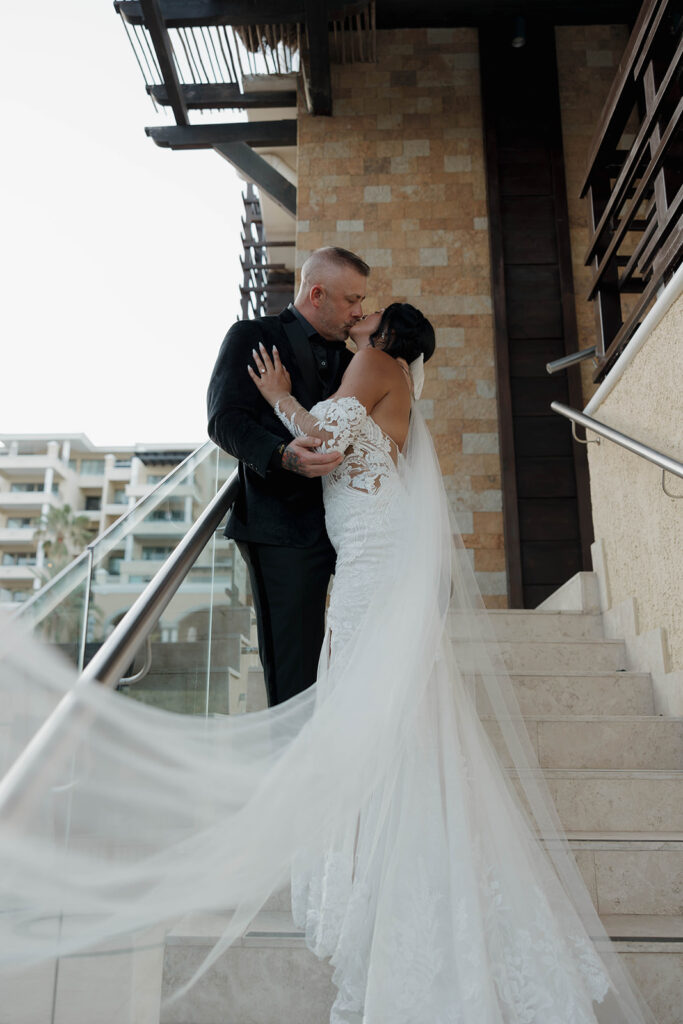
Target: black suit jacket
273,506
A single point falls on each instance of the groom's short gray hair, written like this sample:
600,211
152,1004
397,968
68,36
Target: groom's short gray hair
331,256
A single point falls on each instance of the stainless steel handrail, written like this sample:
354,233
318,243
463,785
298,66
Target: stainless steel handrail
55,739
566,361
665,462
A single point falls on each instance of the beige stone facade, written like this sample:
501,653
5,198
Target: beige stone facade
398,177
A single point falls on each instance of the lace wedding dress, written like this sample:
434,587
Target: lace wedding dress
436,906
431,869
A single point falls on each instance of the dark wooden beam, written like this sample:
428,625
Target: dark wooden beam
154,23
319,77
193,13
258,170
206,136
202,97
391,14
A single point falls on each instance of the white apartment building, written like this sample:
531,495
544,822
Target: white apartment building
38,472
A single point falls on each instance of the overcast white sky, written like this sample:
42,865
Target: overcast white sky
120,260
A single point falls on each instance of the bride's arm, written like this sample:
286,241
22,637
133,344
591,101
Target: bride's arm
363,381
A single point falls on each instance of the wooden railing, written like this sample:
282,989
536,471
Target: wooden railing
634,182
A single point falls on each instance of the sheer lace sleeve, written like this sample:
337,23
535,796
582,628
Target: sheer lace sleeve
336,428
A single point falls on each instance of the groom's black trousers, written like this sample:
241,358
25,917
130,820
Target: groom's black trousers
289,586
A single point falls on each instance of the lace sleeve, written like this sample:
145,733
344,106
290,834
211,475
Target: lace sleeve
336,428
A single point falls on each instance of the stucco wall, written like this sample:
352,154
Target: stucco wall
640,527
397,175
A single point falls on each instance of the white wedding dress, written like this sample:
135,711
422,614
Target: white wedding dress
435,877
435,906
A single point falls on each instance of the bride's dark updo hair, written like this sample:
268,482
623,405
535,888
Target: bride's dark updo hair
404,332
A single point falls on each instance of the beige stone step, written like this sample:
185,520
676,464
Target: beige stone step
514,623
602,741
651,946
636,874
576,693
625,873
551,656
269,977
593,800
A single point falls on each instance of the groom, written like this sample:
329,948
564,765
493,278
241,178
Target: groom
277,519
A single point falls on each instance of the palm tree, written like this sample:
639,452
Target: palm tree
64,535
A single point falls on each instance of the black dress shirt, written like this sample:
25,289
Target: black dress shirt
327,353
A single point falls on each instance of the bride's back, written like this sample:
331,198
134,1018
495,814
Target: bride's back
380,383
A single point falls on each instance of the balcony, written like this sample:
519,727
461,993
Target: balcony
22,535
119,473
162,528
23,467
31,500
17,573
634,183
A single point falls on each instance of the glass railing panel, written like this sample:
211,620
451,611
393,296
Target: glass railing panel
205,641
119,563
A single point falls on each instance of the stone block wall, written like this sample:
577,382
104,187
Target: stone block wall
397,175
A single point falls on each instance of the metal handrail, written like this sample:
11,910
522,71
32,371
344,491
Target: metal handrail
665,462
54,740
566,361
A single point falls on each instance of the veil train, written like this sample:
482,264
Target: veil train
380,780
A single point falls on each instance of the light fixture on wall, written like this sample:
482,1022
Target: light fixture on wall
519,32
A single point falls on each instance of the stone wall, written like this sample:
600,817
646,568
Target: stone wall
398,176
587,60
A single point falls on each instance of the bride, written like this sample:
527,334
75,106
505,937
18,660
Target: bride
431,870
436,904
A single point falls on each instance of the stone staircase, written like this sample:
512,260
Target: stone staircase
616,773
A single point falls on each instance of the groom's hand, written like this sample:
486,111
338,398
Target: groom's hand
299,457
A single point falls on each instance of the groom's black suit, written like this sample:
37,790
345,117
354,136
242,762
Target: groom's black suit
278,519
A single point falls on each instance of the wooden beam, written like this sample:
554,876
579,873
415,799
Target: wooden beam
258,170
206,136
228,94
154,23
319,77
194,13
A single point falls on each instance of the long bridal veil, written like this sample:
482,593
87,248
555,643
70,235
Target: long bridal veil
457,848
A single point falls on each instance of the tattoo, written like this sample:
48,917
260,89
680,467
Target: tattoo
291,461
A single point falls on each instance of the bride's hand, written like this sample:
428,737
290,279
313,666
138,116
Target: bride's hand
272,379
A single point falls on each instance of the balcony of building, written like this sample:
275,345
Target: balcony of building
29,501
27,467
17,573
11,536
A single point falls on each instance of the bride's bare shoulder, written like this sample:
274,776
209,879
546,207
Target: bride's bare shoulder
374,361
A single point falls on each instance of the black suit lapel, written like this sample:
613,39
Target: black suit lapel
301,348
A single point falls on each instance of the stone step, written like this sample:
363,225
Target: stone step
576,693
269,976
551,656
651,946
513,623
601,741
592,800
625,872
632,874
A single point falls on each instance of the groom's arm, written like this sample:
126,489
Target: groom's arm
233,402
234,405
